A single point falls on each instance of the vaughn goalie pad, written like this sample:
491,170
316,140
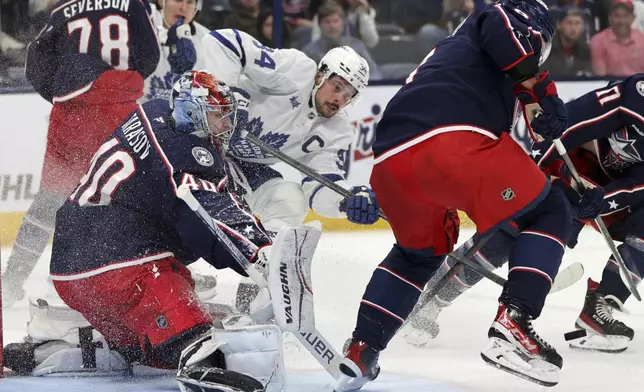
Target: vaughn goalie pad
289,278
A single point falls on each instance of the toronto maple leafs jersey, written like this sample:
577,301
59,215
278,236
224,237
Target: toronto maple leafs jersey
159,84
609,122
281,112
83,39
125,210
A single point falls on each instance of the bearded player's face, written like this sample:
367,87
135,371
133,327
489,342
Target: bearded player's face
334,94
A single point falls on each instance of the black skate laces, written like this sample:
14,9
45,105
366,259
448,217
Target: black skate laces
535,336
604,310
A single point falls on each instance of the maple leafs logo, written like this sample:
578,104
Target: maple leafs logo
161,87
242,148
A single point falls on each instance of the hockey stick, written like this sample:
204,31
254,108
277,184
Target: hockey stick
301,167
314,342
564,279
624,273
427,295
346,193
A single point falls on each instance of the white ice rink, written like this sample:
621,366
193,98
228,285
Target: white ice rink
343,264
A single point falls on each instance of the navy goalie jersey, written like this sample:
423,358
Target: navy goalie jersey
125,210
462,83
84,38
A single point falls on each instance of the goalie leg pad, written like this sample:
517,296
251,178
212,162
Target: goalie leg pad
252,350
60,340
58,357
289,278
53,322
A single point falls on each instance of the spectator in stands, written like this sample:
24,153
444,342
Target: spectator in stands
360,20
455,12
570,54
331,22
618,50
411,15
591,13
296,14
265,30
244,16
213,14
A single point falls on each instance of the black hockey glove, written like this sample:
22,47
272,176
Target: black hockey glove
553,119
183,55
362,208
585,206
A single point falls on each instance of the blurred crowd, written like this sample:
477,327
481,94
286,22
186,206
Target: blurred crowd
595,37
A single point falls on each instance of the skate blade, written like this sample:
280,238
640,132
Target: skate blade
505,356
600,343
347,384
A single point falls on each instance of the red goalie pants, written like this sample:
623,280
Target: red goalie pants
420,188
79,125
151,302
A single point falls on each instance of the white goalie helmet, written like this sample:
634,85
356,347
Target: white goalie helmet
348,64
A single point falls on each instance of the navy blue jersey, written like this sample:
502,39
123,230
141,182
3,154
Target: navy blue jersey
125,210
609,122
462,83
84,38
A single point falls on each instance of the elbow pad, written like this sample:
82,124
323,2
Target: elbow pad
525,69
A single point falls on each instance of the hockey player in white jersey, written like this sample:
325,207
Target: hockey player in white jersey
297,107
180,44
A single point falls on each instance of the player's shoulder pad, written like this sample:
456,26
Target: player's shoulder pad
636,80
633,90
157,108
189,153
338,127
200,30
504,17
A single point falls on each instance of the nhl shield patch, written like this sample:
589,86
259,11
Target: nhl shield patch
508,194
162,322
203,156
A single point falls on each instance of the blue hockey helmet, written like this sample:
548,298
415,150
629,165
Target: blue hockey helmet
536,15
204,106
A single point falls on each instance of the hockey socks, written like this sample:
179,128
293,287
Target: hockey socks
391,294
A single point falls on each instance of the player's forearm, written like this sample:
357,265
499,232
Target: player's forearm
323,200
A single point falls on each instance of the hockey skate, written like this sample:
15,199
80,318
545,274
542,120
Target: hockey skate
361,367
423,326
516,348
597,330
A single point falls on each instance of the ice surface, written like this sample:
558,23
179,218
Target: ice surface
309,381
343,264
